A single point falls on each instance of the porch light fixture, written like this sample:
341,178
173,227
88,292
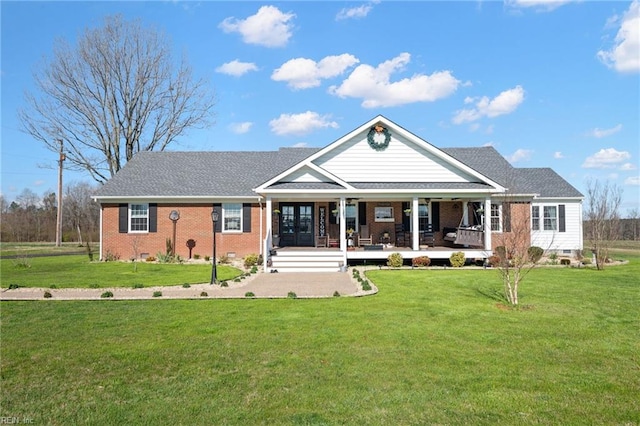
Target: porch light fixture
214,272
174,216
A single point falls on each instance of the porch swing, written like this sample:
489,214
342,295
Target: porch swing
467,235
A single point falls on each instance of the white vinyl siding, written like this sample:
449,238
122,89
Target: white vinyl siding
570,239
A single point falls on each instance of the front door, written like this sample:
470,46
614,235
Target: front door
296,224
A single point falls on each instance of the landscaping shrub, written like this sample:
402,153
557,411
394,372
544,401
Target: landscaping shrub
457,259
157,294
223,259
565,261
207,258
254,270
47,295
186,285
366,286
535,253
292,295
204,294
395,260
420,261
13,286
250,260
196,256
249,294
110,256
224,284
106,294
336,294
150,259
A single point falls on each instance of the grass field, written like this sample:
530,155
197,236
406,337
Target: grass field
432,347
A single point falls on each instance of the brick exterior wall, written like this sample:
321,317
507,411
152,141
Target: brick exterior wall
195,223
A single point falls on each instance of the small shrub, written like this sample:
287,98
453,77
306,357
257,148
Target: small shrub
110,256
395,260
150,259
535,253
366,286
553,258
196,256
249,294
250,260
420,261
186,285
106,294
207,258
22,262
254,270
138,285
457,259
237,280
204,294
336,294
157,294
224,284
14,286
292,295
565,262
223,259
47,295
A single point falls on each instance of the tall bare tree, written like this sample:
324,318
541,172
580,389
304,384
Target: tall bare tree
116,92
603,218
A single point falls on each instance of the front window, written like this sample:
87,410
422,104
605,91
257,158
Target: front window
423,216
138,218
232,217
496,221
535,218
550,218
351,216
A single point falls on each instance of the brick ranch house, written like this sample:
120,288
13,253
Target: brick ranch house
376,190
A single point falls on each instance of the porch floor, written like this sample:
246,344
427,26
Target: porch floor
361,253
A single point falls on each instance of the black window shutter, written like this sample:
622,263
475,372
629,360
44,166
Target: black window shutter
506,217
333,219
406,220
123,218
218,208
246,217
561,219
362,213
153,217
435,215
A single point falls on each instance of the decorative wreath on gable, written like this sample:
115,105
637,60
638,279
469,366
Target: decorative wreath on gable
377,129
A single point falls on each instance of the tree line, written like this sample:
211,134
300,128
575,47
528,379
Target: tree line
32,218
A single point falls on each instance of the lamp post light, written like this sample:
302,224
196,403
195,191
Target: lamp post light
214,272
174,216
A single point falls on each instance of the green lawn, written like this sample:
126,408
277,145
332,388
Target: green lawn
432,347
78,272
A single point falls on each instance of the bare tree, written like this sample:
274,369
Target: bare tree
603,219
81,212
115,93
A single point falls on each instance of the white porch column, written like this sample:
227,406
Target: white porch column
269,218
343,224
266,242
415,224
465,212
487,223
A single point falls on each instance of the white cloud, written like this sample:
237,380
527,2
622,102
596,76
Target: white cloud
354,12
300,145
601,133
505,103
628,166
606,159
542,5
303,73
240,128
373,85
520,155
236,68
624,55
300,124
268,27
632,180
558,155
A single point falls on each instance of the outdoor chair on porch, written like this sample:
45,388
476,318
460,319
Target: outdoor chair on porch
401,235
364,238
427,236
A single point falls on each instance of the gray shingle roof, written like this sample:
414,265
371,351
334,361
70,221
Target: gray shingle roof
181,174
236,173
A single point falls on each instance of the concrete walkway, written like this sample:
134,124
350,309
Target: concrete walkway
262,285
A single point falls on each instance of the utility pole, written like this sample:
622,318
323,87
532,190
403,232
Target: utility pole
59,212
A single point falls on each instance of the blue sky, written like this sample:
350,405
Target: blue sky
547,83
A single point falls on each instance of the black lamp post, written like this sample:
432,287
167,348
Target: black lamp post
214,272
174,216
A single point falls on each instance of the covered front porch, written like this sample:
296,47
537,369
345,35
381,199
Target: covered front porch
328,234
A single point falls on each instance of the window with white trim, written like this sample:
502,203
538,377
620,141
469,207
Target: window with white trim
496,217
535,218
138,217
232,217
423,216
550,218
